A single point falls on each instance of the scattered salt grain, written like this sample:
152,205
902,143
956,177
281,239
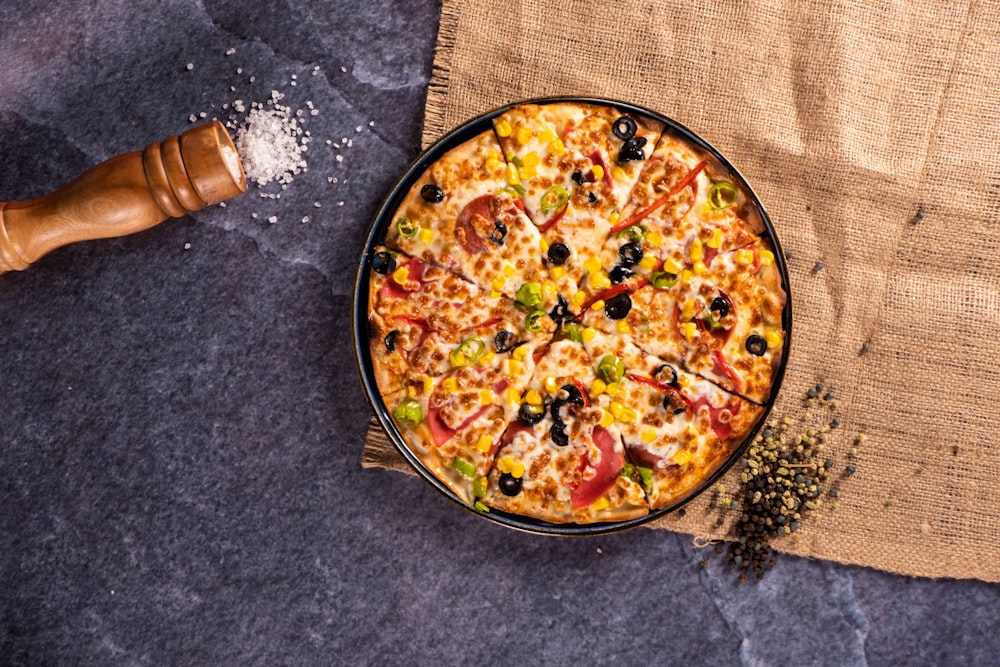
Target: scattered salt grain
230,51
316,204
273,219
189,66
358,128
340,203
192,118
187,246
340,158
343,69
202,114
305,218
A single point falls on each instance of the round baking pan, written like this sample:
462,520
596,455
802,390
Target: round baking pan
376,236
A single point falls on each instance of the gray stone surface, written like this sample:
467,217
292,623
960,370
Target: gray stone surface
181,428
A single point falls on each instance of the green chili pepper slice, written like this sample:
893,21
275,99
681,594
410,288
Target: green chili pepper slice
406,228
516,190
722,194
574,331
478,490
646,474
533,322
662,279
481,506
529,295
632,234
554,199
409,411
464,467
468,351
610,369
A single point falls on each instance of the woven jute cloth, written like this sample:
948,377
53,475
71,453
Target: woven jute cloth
870,132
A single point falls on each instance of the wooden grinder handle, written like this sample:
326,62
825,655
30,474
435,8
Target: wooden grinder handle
124,195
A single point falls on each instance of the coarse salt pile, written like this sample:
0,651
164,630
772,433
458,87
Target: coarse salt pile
271,143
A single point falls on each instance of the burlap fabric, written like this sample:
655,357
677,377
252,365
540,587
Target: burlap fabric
869,130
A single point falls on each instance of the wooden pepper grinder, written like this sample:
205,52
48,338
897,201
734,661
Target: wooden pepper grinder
124,195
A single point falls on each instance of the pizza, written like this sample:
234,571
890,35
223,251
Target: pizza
576,315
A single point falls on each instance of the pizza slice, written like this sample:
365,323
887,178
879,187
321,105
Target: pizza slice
562,460
462,215
678,429
722,321
575,165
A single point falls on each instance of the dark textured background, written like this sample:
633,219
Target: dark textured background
181,429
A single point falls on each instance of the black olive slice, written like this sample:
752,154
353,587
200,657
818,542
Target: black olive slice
383,262
720,306
529,414
432,193
632,150
560,312
592,197
504,341
756,345
630,253
390,340
509,485
499,232
573,395
624,128
619,273
558,253
558,433
618,306
577,177
672,405
666,374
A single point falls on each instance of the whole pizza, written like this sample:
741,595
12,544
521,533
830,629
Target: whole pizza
576,315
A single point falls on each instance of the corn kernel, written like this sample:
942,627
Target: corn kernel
699,268
766,257
616,409
696,251
648,435
513,395
557,272
671,266
602,504
487,358
458,358
592,265
425,235
597,388
588,334
647,263
512,176
716,240
533,397
428,385
531,159
773,339
600,280
523,135
551,384
528,172
687,309
493,155
517,469
486,397
607,419
495,294
629,415
508,270
520,352
484,443
618,173
503,128
577,299
492,164
543,244
549,289
682,457
557,147
744,257
546,135
690,329
615,217
411,391
686,275
598,172
683,380
498,282
449,385
401,275
513,367
654,239
597,305
623,327
614,389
